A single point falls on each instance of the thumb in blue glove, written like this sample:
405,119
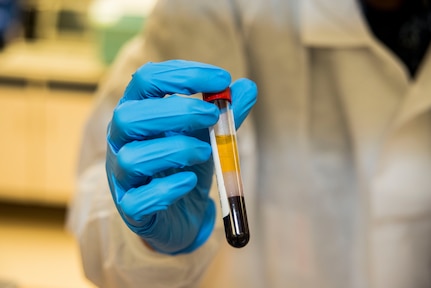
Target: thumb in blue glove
158,160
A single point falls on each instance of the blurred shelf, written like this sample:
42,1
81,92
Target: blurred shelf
63,61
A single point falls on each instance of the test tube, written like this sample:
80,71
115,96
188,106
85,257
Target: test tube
227,168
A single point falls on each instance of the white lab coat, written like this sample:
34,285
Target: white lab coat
336,155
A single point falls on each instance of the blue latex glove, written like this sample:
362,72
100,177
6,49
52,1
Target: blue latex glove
158,163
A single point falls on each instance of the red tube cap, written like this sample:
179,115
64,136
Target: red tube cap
210,97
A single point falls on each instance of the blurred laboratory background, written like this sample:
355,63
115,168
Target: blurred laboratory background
53,53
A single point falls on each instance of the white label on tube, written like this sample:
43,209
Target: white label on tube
219,175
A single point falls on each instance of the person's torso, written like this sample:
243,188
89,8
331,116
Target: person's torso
343,152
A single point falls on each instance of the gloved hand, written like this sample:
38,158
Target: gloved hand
158,158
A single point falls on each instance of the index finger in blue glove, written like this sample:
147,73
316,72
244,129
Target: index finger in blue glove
139,120
175,76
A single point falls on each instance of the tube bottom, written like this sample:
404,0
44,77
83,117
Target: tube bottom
236,224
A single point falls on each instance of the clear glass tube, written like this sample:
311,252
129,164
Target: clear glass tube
226,162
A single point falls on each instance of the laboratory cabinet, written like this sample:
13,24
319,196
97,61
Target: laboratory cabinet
41,131
44,105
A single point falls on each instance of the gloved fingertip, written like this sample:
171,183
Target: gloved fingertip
207,74
244,97
188,178
210,111
221,79
244,86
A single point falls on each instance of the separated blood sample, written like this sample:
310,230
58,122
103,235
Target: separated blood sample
226,162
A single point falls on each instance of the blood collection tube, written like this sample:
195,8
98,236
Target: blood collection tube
226,163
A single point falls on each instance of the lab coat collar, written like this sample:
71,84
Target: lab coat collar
340,23
333,23
418,99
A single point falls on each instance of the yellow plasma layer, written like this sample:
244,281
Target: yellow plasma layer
228,153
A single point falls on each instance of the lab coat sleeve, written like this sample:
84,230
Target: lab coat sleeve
112,255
